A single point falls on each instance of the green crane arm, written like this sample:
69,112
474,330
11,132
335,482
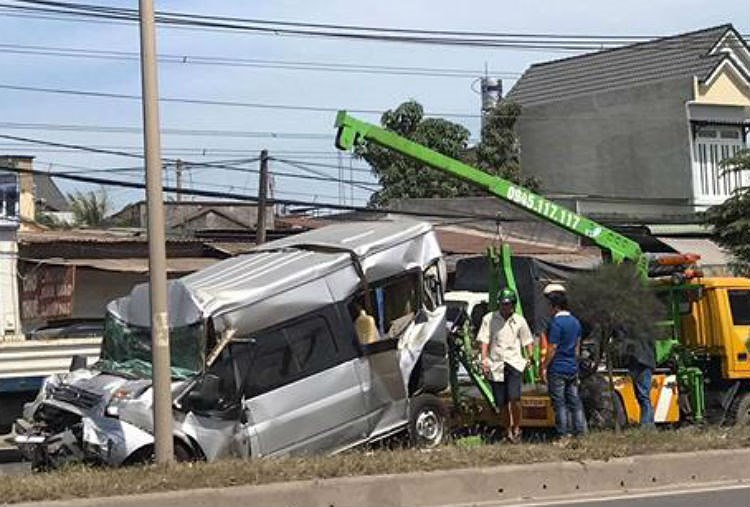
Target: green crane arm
352,131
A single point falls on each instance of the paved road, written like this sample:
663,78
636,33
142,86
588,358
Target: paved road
713,496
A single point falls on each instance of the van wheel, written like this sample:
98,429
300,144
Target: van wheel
427,421
739,410
145,455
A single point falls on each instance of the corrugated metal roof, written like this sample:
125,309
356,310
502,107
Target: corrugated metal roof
132,264
363,238
683,55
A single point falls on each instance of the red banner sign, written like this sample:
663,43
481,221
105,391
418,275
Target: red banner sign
47,292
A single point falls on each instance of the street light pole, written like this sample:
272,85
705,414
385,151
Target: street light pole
157,259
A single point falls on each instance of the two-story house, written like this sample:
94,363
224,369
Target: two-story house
639,131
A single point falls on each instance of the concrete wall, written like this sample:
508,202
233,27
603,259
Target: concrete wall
10,317
627,143
95,288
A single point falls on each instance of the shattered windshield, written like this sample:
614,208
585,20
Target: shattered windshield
126,350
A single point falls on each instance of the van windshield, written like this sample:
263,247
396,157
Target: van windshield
126,350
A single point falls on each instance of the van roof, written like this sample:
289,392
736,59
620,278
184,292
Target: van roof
383,249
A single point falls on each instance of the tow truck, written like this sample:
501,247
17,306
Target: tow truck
703,358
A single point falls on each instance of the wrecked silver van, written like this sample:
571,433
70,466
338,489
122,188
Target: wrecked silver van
314,343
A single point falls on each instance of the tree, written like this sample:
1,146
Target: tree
617,306
731,219
401,176
89,208
499,151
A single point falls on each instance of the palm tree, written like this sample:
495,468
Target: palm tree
89,208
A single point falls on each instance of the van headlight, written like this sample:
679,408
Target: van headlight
119,396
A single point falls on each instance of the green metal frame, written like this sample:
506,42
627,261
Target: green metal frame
352,132
621,248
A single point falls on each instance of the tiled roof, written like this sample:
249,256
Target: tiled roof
683,55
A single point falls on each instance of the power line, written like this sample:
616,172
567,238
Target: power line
227,103
188,163
366,185
317,164
115,129
252,62
380,34
243,197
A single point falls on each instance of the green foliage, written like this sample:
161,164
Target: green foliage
731,219
89,208
499,150
50,221
401,177
613,297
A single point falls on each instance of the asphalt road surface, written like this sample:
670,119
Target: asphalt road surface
733,495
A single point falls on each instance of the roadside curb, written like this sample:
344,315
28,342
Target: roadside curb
464,486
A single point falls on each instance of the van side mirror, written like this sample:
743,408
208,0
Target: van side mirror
205,395
77,362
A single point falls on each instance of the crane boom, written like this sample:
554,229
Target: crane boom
352,132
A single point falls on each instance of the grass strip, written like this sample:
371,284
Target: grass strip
80,481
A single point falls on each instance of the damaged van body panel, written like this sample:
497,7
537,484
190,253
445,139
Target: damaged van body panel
266,356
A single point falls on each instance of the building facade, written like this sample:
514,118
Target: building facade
643,127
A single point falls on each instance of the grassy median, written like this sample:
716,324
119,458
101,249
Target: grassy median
80,481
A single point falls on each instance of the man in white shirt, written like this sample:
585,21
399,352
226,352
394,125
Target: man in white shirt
502,334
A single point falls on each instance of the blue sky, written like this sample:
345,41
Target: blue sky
291,87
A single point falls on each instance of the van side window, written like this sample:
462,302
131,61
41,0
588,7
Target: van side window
432,288
394,303
286,355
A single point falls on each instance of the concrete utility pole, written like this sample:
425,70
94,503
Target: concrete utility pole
260,229
178,164
157,259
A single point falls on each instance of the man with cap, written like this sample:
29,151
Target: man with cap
560,367
501,335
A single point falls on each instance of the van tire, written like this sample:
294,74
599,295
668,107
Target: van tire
428,421
739,410
145,455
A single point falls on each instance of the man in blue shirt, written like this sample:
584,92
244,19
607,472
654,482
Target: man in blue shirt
560,368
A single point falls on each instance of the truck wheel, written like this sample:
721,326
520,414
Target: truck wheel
597,404
739,411
427,421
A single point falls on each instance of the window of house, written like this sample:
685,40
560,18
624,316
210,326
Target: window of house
8,195
712,145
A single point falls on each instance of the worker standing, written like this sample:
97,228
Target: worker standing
501,335
560,368
640,356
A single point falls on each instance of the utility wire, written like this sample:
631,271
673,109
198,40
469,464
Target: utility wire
228,103
251,62
365,185
116,129
189,163
243,197
440,37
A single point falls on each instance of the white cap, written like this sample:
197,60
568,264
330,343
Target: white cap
553,287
